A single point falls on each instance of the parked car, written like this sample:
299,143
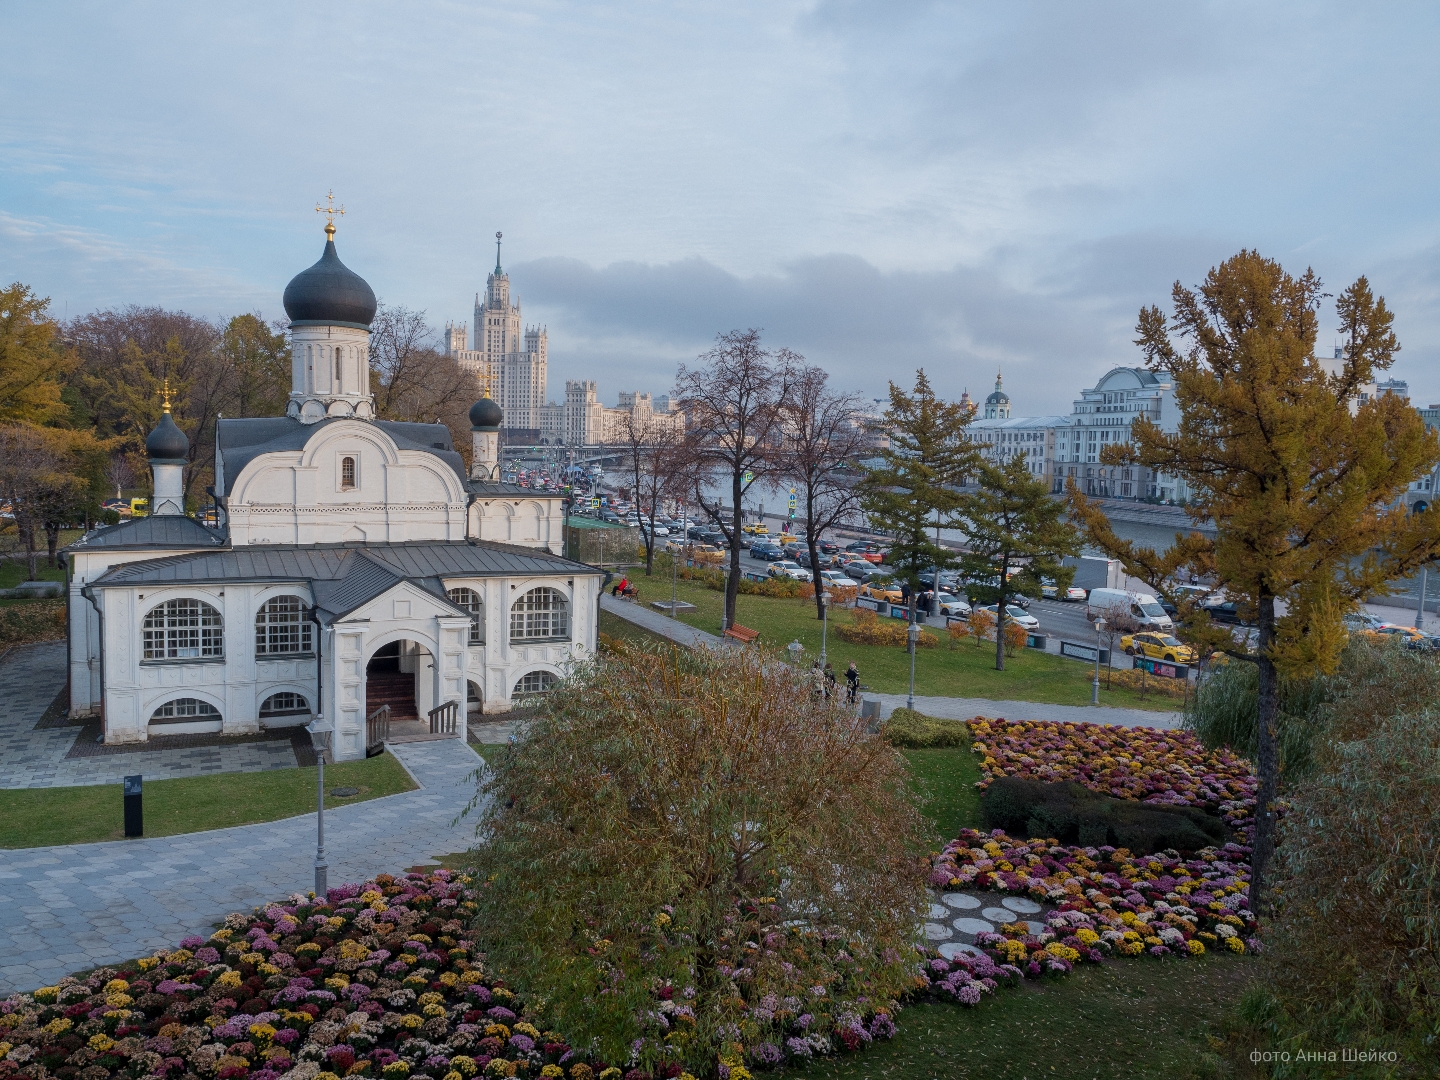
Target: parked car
954,606
860,570
1019,616
1142,609
789,568
827,547
1074,595
1158,647
1223,611
756,528
835,577
881,587
766,551
1412,638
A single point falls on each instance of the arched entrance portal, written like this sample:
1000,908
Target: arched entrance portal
399,675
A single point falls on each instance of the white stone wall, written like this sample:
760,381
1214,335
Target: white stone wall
329,373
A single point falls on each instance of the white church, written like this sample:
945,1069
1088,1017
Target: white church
357,573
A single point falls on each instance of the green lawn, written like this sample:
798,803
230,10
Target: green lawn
945,780
40,817
966,671
616,627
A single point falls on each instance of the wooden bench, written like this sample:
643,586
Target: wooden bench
742,634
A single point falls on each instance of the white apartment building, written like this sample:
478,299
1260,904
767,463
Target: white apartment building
1036,438
1101,416
583,421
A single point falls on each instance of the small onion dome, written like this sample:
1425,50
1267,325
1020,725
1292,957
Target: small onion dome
167,443
329,293
485,415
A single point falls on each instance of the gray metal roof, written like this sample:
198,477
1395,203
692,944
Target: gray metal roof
159,531
333,565
241,441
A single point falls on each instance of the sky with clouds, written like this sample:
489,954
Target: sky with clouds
958,186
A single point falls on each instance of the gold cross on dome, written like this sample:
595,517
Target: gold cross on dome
165,394
330,210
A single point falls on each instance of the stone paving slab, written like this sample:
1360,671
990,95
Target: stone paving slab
34,756
957,708
90,904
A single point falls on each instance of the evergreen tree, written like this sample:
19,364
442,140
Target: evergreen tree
1012,525
915,490
1302,480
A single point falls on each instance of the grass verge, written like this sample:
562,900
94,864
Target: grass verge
965,671
40,817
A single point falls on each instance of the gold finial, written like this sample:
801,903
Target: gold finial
165,394
330,210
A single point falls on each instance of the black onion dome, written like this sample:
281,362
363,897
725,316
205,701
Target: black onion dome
485,415
331,293
167,442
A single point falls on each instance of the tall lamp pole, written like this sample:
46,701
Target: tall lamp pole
320,736
1095,687
913,637
824,619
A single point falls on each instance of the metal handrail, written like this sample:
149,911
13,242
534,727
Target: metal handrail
445,718
377,730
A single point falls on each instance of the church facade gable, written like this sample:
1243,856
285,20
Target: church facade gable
348,477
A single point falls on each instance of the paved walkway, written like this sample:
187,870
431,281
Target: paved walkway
950,708
32,757
664,625
80,906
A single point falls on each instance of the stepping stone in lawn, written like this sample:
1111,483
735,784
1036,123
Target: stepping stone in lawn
999,915
973,926
961,901
1021,905
936,932
938,911
951,949
1037,927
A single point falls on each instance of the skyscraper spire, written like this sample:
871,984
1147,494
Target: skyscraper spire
498,271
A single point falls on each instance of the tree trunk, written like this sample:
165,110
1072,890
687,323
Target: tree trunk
52,540
1267,764
813,544
1000,615
732,583
32,559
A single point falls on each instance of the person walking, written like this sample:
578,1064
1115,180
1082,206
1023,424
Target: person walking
852,683
830,684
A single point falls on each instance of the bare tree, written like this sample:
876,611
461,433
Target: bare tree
119,474
650,450
822,435
733,400
413,380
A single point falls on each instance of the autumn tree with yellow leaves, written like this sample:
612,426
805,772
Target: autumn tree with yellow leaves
1302,479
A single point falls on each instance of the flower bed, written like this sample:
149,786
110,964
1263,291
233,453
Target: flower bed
1144,764
1108,901
379,981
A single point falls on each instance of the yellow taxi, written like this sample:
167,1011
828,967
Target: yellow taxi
1158,647
756,529
1407,634
887,589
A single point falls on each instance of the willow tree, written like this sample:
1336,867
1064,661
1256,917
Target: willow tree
1300,471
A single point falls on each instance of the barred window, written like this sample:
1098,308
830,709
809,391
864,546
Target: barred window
540,615
535,682
347,472
284,704
469,599
185,708
183,630
282,626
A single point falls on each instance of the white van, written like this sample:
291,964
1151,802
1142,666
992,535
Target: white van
1143,608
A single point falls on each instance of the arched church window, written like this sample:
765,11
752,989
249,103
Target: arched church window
469,599
284,704
183,630
185,708
347,472
339,363
540,615
535,682
281,627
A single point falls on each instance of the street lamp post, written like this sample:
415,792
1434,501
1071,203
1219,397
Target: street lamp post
1095,687
824,620
321,741
913,637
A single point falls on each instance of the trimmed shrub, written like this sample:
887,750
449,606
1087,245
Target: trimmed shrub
1071,813
1015,638
982,624
958,631
916,731
867,629
34,620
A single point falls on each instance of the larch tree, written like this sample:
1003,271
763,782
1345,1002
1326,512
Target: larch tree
915,490
734,404
823,438
1302,479
33,359
1013,527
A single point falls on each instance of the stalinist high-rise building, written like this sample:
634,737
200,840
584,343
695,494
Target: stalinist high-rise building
514,363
